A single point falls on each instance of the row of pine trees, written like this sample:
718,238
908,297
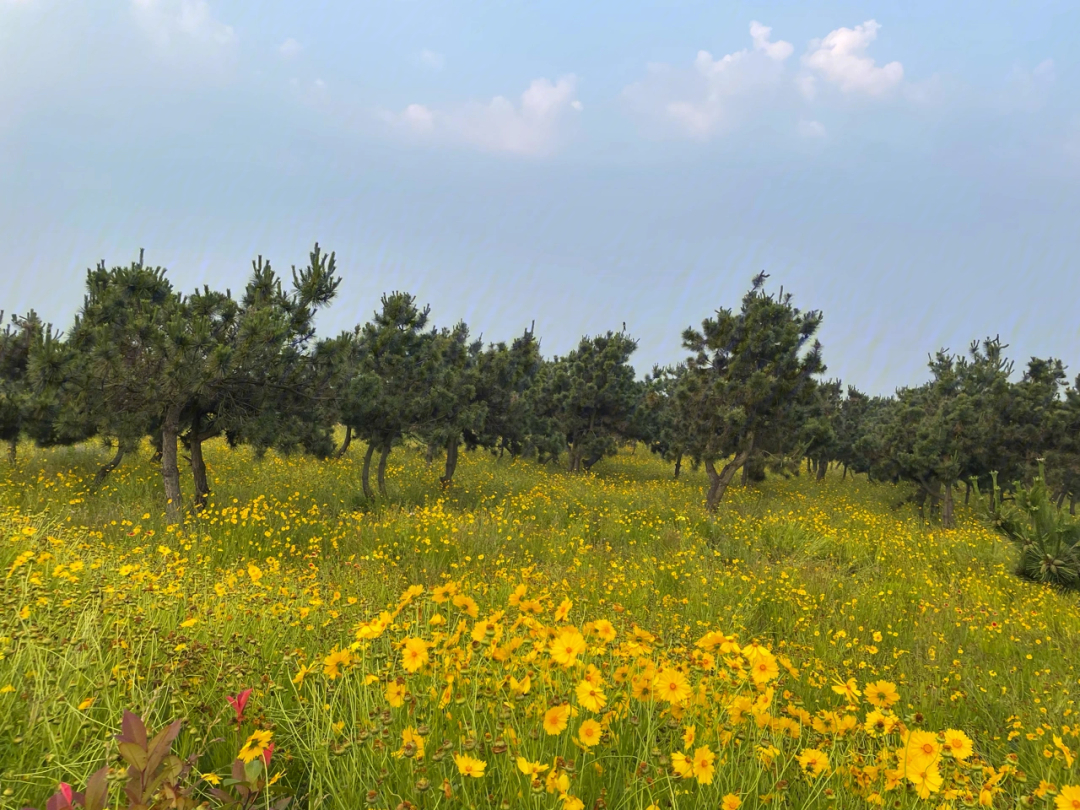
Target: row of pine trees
143,360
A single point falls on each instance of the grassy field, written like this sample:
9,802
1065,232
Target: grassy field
528,638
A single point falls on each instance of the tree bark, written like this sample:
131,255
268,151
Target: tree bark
198,469
170,473
345,444
114,462
809,465
451,462
1072,506
844,476
429,454
745,475
13,450
574,457
720,481
385,454
678,465
366,475
967,492
823,467
947,521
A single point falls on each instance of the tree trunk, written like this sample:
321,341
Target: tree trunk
105,469
170,473
383,456
947,521
1061,499
822,468
678,466
155,442
366,475
967,492
13,450
1072,506
809,465
345,444
722,480
451,462
198,468
429,454
574,458
844,476
745,475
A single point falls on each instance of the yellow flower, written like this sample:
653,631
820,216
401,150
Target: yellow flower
468,604
881,694
556,718
921,748
730,802
563,610
590,696
703,765
764,669
682,764
5,689
849,690
302,673
958,744
530,768
589,733
567,646
255,745
572,802
86,704
443,592
211,778
521,687
414,654
188,623
814,761
688,737
1069,756
1069,798
672,686
467,766
335,662
395,694
926,778
254,572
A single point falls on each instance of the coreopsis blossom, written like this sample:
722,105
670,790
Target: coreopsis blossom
703,765
589,733
813,761
672,686
958,744
468,766
881,694
256,745
1068,798
556,718
730,802
414,654
335,662
567,646
590,696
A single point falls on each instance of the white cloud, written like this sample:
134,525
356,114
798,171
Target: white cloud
290,48
840,59
431,59
533,126
811,129
1027,90
170,23
713,95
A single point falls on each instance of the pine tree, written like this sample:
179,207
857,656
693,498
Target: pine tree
748,373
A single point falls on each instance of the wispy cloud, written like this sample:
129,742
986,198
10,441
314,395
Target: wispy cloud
432,59
532,126
290,48
840,59
713,95
171,22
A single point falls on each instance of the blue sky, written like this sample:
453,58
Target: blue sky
912,169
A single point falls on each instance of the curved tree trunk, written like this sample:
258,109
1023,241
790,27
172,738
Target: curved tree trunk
822,468
720,481
13,450
947,520
678,465
198,469
345,444
844,476
383,456
155,442
967,492
366,475
451,462
113,463
170,473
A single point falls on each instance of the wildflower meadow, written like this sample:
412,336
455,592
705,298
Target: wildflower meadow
522,638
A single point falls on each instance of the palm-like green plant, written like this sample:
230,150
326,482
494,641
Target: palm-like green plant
1048,536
